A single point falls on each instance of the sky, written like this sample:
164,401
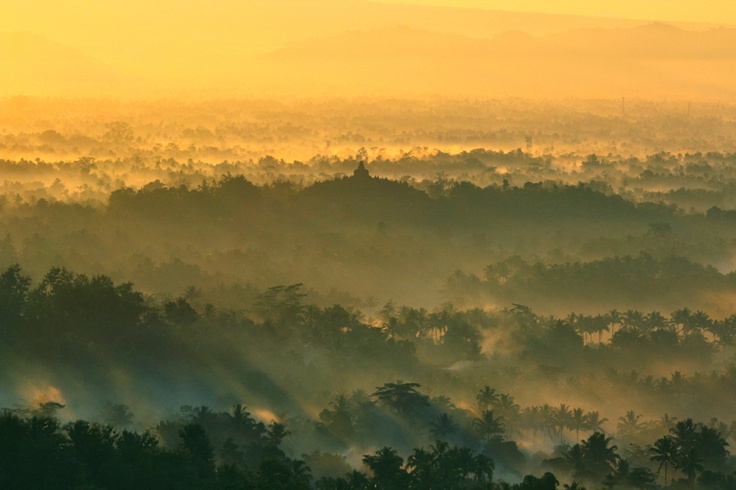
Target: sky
136,46
711,11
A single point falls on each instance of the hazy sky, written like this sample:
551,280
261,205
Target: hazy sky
716,11
220,44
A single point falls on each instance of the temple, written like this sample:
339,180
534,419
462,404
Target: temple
361,172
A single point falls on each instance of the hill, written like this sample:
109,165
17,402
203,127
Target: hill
655,60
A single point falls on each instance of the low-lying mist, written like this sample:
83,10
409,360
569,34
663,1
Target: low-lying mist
327,297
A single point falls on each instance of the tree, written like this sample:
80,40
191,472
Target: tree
614,318
685,435
197,445
680,318
281,305
690,462
562,418
240,420
118,133
664,451
402,397
442,427
712,448
578,421
545,482
487,426
386,466
599,325
339,418
593,421
14,289
629,424
573,486
486,398
118,415
484,468
180,312
632,320
82,308
508,409
422,465
599,458
93,444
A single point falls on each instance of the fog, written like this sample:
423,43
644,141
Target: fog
310,281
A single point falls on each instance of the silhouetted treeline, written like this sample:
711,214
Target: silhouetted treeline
642,281
232,450
393,239
368,200
284,352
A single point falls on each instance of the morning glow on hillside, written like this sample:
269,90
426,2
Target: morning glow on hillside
362,244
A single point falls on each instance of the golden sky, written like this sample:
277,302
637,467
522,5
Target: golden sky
711,11
223,46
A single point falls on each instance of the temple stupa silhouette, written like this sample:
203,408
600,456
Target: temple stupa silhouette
361,172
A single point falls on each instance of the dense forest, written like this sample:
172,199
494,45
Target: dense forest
315,379
430,295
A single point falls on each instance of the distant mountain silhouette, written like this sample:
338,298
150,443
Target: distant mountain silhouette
655,60
29,61
403,42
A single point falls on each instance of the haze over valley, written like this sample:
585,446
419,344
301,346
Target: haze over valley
359,244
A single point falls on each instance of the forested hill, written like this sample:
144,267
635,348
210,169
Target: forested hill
368,200
351,237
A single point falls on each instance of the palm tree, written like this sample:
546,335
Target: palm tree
666,422
506,405
629,424
680,318
486,398
118,415
442,427
722,332
655,321
462,461
339,417
712,447
488,426
690,462
391,327
664,451
531,419
614,318
583,324
277,432
547,417
678,382
562,418
302,473
632,320
700,321
685,435
508,410
599,325
484,468
421,464
598,458
357,480
578,421
386,466
239,415
593,421
202,415
573,486
575,460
